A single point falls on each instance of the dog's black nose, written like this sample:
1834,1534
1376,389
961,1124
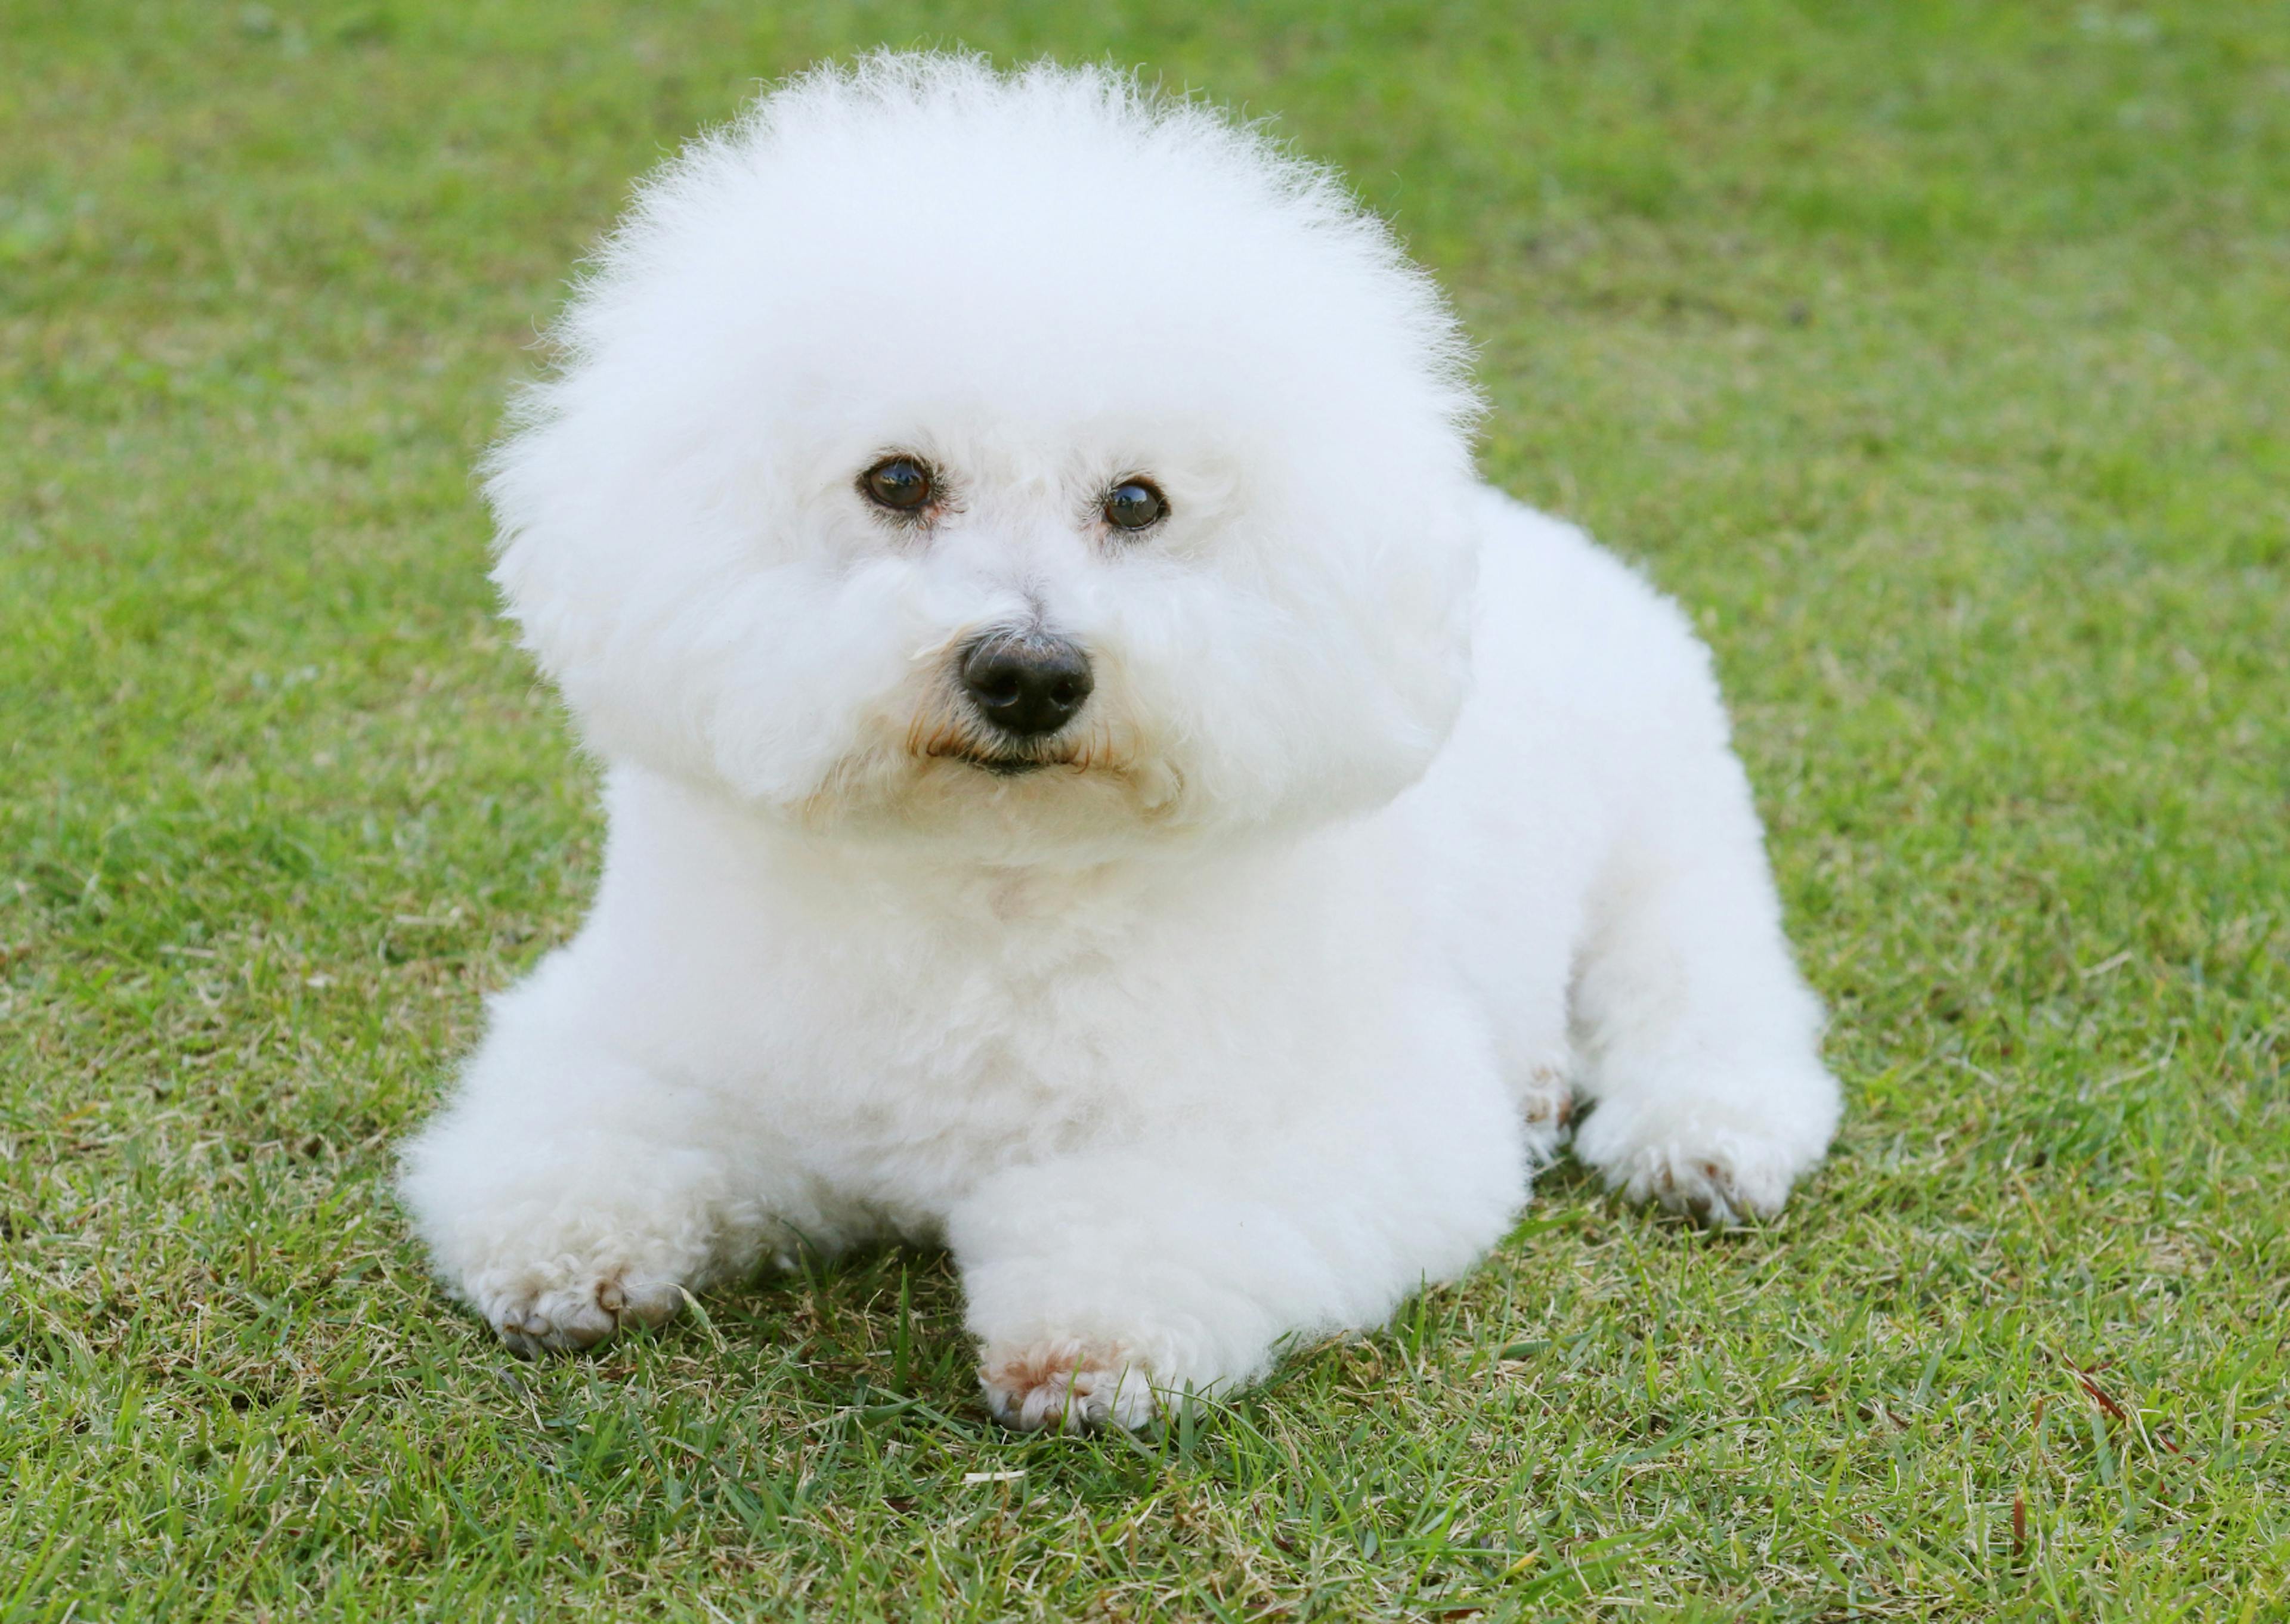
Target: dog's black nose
1026,683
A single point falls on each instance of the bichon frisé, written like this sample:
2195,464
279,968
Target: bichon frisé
1094,779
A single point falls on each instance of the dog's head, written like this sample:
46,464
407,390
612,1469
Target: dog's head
1023,463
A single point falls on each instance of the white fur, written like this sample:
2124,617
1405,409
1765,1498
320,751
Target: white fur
1259,1014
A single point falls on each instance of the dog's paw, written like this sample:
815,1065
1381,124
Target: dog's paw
579,1313
1714,1165
1065,1383
1711,1186
1546,1106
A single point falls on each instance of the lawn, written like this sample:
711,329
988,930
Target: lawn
1937,355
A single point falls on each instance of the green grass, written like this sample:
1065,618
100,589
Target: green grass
1934,354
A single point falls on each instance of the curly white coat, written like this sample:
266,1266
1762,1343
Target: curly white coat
1399,817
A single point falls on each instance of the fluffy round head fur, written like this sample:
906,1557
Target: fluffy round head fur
1036,286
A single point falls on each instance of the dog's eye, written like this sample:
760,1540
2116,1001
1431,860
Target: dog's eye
1133,504
900,484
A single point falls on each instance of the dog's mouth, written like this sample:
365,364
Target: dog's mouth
1100,755
1005,766
961,741
1001,763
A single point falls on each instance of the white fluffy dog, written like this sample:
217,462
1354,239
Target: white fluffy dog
1094,779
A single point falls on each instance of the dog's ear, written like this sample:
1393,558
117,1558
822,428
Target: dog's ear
1338,693
632,569
1409,610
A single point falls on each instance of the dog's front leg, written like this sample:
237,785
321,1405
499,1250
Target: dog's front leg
1105,1286
568,1191
1701,1041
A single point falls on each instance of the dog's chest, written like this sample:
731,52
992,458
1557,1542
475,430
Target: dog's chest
910,1044
930,1061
